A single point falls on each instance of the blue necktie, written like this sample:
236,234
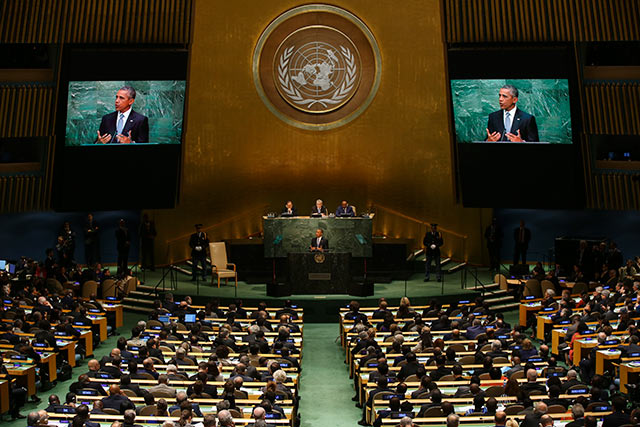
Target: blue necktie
507,122
120,124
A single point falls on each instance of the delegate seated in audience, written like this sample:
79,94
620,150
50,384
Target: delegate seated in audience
163,387
577,413
117,400
84,382
554,397
125,383
97,407
618,417
182,400
129,418
532,385
533,419
394,407
381,386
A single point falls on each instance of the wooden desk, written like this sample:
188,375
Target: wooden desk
526,308
25,376
628,374
604,359
582,347
115,308
48,362
101,321
4,395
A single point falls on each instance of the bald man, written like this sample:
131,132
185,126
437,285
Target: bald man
117,400
94,368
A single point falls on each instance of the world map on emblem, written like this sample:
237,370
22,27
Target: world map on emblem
315,75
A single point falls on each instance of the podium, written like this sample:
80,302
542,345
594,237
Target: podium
319,273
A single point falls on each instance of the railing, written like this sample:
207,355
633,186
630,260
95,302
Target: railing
392,223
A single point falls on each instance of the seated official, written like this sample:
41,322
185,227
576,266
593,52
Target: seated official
319,243
289,209
319,209
345,209
117,400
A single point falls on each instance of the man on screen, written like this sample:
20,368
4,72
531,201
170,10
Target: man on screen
511,123
124,126
319,243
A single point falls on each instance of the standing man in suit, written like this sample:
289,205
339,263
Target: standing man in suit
319,208
198,242
91,242
319,243
521,237
124,126
493,234
345,209
289,209
123,239
510,123
432,242
147,238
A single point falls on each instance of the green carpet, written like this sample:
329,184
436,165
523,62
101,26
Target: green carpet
415,287
326,389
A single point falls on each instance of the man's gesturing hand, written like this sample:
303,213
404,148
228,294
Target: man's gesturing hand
104,138
493,136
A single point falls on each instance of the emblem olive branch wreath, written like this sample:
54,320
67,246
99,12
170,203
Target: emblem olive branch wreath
287,86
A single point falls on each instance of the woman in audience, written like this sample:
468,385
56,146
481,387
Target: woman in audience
228,394
527,350
512,389
185,419
405,311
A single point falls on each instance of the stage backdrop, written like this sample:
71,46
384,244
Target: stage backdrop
241,161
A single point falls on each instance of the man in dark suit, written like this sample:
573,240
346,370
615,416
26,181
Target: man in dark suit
319,208
319,243
289,209
198,242
123,239
147,236
117,400
533,419
345,209
618,417
124,126
432,242
493,235
510,123
521,237
91,242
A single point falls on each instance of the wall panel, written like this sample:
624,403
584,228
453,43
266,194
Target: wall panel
95,21
541,21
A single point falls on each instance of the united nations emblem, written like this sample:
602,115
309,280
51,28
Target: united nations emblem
317,66
319,74
319,257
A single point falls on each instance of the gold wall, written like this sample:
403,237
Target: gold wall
240,160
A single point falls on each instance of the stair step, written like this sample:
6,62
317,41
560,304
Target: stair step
141,293
492,301
136,308
490,286
138,301
182,270
456,267
508,306
495,293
